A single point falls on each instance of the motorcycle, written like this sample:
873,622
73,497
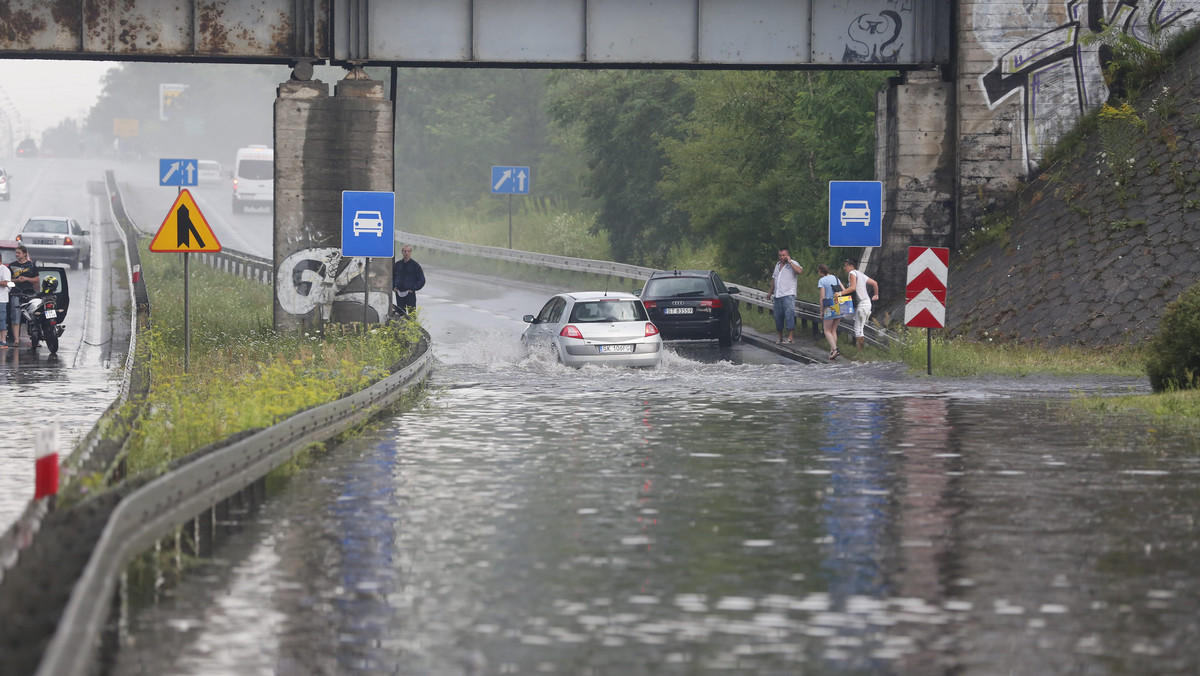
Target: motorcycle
46,312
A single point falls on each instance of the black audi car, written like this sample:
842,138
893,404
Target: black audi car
693,304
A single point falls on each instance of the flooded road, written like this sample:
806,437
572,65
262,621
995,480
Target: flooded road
73,387
707,516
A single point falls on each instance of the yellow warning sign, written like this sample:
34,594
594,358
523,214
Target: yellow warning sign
184,229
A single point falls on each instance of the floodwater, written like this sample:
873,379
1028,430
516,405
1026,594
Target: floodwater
709,517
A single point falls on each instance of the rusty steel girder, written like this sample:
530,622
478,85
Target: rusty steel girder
235,30
714,33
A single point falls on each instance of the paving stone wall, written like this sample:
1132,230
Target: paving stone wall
1100,242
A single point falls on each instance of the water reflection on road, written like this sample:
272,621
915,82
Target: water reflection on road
709,518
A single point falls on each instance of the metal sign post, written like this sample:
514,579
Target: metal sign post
510,181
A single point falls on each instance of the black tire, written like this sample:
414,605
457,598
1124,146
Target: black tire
237,207
725,334
78,264
87,262
52,344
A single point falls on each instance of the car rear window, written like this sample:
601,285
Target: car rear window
608,311
674,287
256,170
53,227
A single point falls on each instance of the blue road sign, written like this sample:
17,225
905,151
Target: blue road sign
855,213
177,172
510,180
368,224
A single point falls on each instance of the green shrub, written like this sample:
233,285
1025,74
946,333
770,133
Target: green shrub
1173,355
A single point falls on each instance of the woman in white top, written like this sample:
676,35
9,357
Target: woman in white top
828,286
5,283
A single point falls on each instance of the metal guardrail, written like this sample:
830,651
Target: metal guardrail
154,510
809,311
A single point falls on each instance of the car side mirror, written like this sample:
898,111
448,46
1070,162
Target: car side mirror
529,319
638,293
85,232
733,289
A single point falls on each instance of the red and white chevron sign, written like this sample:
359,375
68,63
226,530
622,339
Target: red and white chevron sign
925,291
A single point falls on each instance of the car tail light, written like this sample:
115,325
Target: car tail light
67,241
3,180
18,238
651,329
650,304
235,185
569,331
713,303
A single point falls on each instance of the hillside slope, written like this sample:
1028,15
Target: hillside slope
1103,238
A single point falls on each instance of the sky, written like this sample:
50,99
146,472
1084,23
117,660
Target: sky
36,95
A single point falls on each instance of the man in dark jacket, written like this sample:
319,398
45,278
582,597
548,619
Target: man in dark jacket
407,279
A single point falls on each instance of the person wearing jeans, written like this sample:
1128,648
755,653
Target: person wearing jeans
783,290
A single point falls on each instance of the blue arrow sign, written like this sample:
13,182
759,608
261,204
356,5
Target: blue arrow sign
177,172
510,180
368,224
855,213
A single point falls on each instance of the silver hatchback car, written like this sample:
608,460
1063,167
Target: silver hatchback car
596,327
57,238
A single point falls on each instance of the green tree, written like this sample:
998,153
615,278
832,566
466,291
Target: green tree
752,168
623,117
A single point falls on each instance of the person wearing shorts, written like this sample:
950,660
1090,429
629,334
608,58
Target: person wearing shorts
783,290
858,283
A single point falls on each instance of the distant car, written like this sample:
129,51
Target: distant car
596,327
27,148
8,251
5,185
368,221
856,211
209,171
57,238
693,304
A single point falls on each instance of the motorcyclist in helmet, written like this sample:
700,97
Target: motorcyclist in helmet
50,284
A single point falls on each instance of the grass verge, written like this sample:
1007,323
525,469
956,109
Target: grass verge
241,374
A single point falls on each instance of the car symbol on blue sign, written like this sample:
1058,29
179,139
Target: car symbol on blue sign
368,224
855,213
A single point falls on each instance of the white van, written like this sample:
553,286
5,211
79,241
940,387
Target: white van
253,178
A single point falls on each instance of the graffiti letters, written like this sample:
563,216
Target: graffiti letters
1059,74
315,279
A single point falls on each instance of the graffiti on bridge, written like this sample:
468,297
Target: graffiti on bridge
316,279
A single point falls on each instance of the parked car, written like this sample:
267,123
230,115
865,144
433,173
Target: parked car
693,304
8,250
57,238
596,327
209,171
27,148
5,185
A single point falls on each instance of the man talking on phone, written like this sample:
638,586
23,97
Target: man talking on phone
783,290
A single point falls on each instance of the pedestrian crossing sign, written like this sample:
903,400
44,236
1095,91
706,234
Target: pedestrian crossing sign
184,230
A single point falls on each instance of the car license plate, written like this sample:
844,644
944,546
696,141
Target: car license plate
51,314
677,311
615,348
44,241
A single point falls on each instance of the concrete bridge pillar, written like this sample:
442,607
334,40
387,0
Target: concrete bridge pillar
916,158
323,145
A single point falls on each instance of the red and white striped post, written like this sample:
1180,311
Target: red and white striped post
45,448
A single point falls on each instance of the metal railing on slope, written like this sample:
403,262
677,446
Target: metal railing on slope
807,311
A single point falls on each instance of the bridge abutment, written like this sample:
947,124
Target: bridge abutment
323,145
916,159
